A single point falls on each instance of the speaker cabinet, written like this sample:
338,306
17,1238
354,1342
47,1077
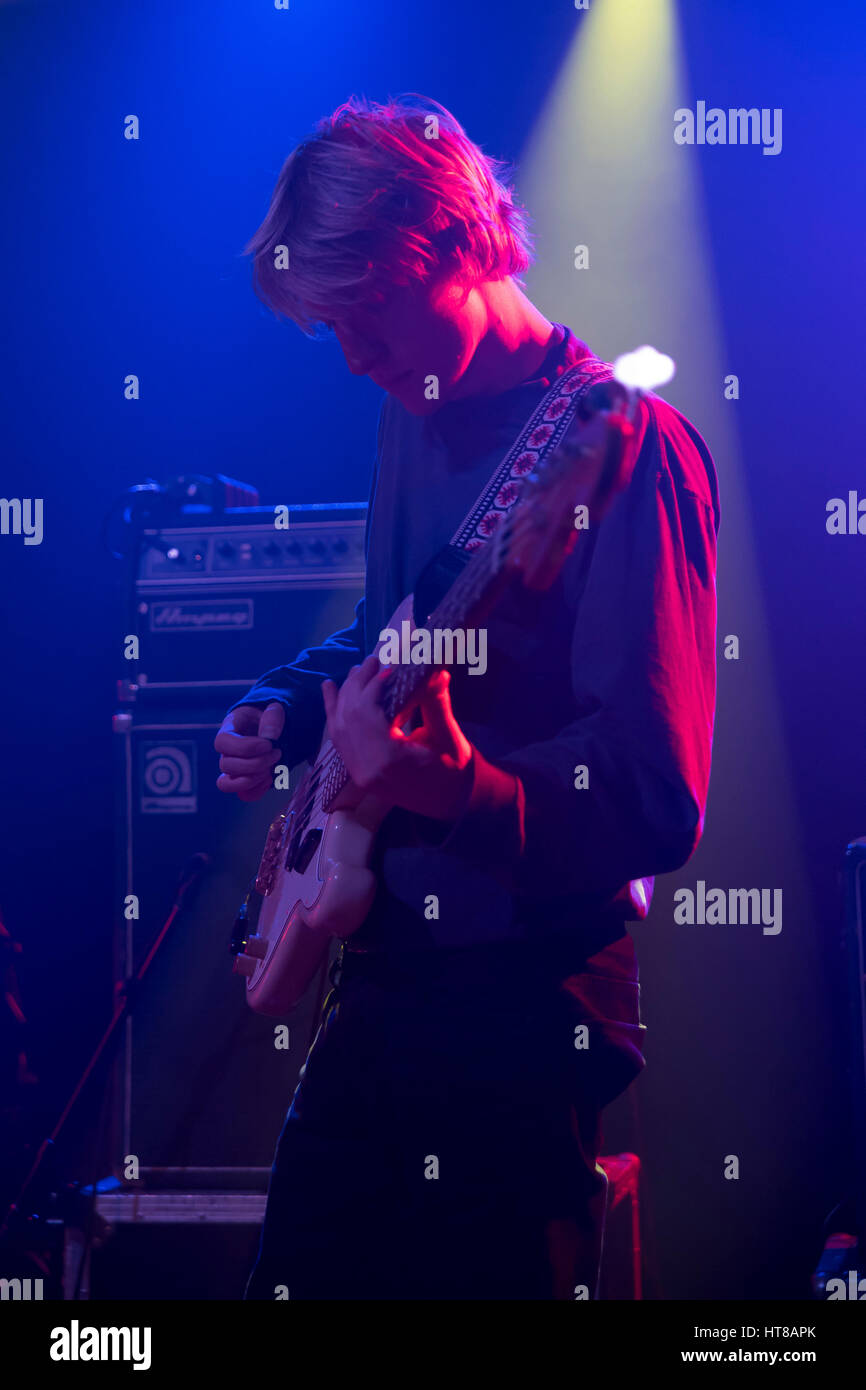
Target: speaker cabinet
202,1083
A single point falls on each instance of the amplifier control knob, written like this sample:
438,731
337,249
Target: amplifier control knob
243,965
257,947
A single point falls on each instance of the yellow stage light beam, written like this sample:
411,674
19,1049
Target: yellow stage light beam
601,171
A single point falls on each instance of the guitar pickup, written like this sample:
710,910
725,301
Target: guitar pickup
298,862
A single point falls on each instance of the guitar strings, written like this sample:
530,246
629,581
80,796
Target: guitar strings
333,774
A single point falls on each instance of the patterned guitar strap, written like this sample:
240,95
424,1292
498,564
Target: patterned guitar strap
543,433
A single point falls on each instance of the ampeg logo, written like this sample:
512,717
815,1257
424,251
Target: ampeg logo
168,779
202,615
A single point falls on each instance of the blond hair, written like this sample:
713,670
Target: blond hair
378,195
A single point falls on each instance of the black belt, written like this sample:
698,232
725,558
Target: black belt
507,963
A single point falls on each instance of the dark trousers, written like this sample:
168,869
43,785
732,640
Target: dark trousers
441,1144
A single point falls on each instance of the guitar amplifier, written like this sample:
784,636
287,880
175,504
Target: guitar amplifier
203,1083
210,601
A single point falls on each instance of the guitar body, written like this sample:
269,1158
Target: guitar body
303,910
328,892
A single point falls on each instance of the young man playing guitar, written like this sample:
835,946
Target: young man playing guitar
442,1142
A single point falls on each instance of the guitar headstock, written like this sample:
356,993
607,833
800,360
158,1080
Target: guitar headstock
573,489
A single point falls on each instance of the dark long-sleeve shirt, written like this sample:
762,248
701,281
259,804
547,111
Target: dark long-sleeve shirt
613,669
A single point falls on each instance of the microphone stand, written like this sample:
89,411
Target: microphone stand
126,998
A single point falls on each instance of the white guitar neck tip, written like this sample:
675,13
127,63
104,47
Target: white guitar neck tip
644,369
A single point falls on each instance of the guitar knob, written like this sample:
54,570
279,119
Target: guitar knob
257,947
244,965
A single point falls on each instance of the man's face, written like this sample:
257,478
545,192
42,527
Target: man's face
414,342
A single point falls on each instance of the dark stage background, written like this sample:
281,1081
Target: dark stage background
123,257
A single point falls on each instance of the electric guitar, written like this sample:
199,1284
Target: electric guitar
314,881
